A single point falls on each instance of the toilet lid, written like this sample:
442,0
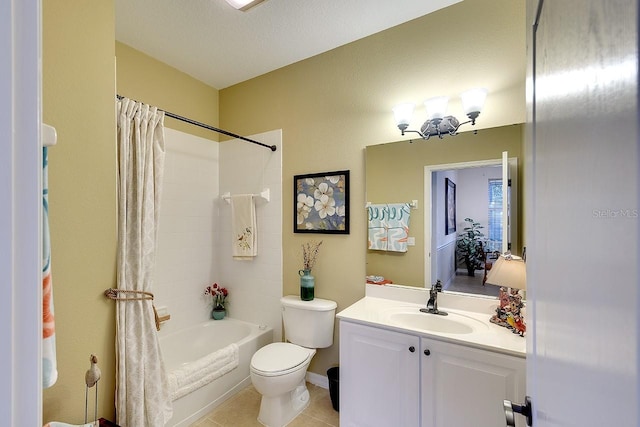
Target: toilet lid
279,357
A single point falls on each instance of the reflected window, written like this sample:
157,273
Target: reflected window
494,242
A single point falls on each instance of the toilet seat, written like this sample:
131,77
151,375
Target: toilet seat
280,358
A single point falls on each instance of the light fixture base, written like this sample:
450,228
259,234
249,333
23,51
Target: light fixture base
446,125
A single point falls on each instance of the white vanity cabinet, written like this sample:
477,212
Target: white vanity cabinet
464,386
379,379
390,378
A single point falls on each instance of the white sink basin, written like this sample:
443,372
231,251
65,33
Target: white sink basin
451,324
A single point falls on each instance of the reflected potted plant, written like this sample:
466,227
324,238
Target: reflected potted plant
219,296
469,246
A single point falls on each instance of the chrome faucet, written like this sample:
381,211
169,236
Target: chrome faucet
432,304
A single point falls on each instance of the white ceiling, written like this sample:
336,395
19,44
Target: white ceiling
221,46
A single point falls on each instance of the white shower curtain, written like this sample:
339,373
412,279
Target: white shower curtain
142,392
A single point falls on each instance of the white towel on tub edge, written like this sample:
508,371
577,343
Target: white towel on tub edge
197,374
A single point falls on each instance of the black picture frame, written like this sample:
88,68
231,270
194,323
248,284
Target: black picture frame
321,203
450,206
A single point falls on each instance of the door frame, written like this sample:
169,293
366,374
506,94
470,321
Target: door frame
429,246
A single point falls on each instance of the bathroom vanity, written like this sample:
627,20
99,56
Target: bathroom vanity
399,366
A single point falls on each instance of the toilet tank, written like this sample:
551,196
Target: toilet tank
308,323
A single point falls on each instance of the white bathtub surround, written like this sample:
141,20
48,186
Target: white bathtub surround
142,395
187,347
256,286
187,253
194,242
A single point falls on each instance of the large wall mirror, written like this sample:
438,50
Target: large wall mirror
468,164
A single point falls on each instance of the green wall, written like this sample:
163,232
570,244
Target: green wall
78,100
148,80
79,87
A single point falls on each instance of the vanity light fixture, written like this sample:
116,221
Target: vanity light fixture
243,5
437,122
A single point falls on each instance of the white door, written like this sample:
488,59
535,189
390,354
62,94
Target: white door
582,213
20,217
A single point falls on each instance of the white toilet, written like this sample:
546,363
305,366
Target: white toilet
278,370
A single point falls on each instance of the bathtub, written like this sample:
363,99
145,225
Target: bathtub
188,345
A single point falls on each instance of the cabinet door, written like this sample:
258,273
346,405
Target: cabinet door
379,381
465,387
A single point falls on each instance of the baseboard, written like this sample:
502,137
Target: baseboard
317,379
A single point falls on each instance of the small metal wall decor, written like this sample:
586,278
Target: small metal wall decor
321,203
509,311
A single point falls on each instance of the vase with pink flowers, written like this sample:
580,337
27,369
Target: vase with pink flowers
219,296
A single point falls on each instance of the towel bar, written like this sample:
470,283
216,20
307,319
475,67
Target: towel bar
264,195
413,204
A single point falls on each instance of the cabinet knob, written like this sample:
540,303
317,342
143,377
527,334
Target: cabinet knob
412,349
427,352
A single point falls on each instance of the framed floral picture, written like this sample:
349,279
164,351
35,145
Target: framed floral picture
321,203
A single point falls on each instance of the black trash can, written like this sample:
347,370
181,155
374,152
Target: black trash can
334,386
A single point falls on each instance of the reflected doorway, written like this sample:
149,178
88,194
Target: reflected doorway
479,195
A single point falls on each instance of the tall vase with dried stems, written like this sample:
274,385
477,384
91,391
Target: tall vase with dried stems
307,281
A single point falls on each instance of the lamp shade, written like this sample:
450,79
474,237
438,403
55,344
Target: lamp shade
403,113
436,107
473,100
509,272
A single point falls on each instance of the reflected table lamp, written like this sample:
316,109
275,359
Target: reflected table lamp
509,272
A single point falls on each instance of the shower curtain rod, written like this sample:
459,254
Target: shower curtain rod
206,126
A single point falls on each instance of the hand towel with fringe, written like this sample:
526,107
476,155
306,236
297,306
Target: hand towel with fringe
49,361
203,371
389,226
398,227
378,227
244,233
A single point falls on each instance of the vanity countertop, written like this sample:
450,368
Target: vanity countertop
379,305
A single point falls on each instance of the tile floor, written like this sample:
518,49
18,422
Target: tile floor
473,285
242,411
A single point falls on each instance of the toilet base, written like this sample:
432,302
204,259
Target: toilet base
278,411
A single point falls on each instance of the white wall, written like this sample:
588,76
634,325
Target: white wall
472,195
445,265
255,286
439,206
